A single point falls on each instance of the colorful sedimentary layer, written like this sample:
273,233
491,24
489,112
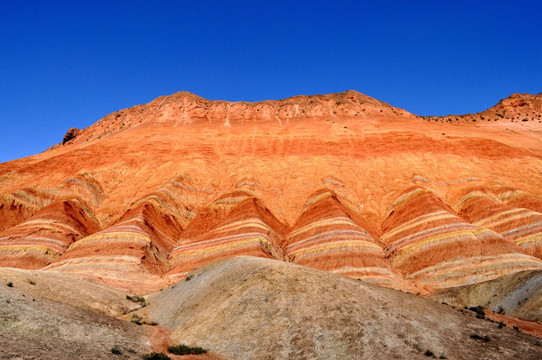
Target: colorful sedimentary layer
40,240
248,229
135,247
328,236
521,199
18,206
521,226
431,245
159,189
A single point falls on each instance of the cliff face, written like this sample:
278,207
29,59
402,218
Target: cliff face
342,183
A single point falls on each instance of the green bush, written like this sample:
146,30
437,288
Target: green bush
478,310
136,299
156,356
186,350
478,337
116,350
136,319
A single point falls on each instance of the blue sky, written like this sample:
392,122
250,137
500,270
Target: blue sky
68,63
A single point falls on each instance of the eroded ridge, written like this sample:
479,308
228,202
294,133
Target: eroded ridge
430,244
521,226
41,239
249,228
132,251
521,199
18,206
327,236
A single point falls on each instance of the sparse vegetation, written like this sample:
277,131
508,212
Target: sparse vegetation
479,311
136,319
501,324
478,337
31,282
156,356
10,284
186,350
429,353
116,350
136,299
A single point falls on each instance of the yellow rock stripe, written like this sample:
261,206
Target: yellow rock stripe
434,216
450,237
475,269
340,220
259,241
112,238
236,225
345,246
505,216
331,236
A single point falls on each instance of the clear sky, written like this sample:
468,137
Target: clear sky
68,63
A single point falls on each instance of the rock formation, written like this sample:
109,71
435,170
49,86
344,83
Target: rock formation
341,183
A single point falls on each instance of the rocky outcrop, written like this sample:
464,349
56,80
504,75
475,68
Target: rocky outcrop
70,135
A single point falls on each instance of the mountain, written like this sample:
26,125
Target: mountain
343,183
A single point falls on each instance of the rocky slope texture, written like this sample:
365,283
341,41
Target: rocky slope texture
221,306
342,183
309,314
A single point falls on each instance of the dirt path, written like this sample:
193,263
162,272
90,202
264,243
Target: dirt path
527,327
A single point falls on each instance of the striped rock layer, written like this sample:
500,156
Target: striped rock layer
422,245
137,245
425,240
249,229
329,236
520,226
341,182
43,238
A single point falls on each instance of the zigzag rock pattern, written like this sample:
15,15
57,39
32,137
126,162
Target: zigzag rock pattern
342,183
421,226
249,229
328,236
47,235
521,226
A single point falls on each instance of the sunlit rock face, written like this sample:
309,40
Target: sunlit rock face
342,183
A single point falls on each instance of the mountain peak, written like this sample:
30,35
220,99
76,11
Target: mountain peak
185,108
